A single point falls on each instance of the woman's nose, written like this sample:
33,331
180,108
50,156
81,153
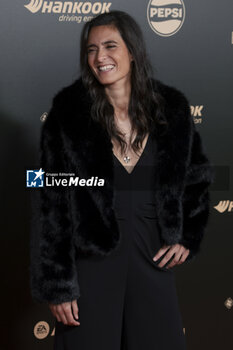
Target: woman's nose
101,55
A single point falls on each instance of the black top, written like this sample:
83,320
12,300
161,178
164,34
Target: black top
134,200
135,191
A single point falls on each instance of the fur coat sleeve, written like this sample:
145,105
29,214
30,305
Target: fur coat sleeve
196,198
53,275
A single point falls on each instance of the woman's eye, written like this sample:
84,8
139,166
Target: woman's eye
108,47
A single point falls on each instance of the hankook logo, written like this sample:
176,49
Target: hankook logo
223,206
165,17
196,112
73,7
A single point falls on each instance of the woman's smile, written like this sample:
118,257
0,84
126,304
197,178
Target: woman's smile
106,69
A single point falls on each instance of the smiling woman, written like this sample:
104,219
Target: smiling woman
109,59
93,258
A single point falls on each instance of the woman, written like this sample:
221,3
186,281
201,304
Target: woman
102,256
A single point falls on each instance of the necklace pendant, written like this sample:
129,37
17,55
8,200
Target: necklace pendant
126,159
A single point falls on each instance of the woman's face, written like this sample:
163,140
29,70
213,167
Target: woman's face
108,56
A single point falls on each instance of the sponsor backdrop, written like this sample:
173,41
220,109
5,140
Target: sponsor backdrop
190,44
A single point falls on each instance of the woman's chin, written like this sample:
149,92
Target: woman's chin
106,80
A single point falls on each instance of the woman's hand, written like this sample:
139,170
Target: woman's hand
179,250
63,312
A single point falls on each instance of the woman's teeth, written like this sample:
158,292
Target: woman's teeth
106,68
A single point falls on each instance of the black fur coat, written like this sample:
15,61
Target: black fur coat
69,221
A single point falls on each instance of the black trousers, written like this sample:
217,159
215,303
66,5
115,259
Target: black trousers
127,302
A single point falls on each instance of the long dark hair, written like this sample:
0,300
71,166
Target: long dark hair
146,105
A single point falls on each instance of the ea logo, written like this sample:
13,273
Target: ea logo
165,17
41,330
